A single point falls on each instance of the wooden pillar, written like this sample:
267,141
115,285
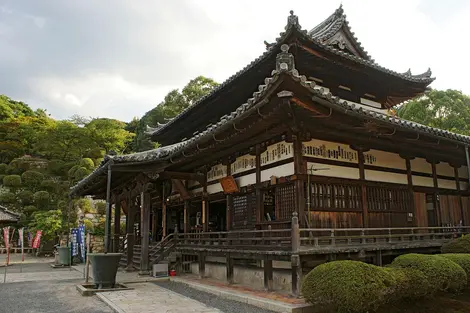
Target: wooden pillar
107,227
130,233
202,264
296,265
409,177
229,202
117,224
205,205
362,178
163,213
299,169
187,204
258,191
436,193
457,185
229,268
145,235
154,226
268,273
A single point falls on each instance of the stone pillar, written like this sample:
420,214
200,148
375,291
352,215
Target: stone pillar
229,268
145,235
295,258
268,273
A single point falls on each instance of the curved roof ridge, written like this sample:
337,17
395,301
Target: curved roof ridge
332,25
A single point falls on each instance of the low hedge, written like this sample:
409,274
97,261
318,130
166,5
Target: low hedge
462,259
348,286
458,245
441,273
409,284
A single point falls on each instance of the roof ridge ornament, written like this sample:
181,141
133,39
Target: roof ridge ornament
285,60
292,20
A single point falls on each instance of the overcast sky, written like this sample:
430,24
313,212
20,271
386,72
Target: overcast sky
113,58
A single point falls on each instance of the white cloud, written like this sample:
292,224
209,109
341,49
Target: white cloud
119,61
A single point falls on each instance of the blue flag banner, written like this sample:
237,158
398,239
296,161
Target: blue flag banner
74,241
81,240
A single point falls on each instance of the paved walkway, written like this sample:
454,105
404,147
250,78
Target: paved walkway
147,297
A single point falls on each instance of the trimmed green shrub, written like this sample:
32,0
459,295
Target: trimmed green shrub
1,178
459,245
441,273
41,199
71,172
348,286
7,197
12,181
26,197
409,284
48,185
3,168
30,209
462,259
81,173
100,207
87,163
32,178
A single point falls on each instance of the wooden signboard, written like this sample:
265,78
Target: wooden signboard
229,185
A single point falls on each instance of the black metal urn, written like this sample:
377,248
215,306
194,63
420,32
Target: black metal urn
105,266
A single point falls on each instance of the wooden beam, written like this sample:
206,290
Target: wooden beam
436,193
181,175
181,189
163,212
130,233
117,224
409,177
457,185
299,169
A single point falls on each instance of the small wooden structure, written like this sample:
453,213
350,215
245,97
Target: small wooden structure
8,217
295,157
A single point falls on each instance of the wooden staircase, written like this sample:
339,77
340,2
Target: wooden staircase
158,253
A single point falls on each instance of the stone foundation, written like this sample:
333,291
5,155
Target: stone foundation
249,276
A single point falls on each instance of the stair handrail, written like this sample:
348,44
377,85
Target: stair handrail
164,243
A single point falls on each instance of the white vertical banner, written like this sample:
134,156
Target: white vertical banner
21,237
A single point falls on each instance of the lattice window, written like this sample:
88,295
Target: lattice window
335,197
244,211
285,202
386,199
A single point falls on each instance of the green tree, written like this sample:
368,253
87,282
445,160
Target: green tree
173,104
444,109
32,179
109,134
49,222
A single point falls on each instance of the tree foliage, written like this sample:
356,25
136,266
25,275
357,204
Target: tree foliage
444,109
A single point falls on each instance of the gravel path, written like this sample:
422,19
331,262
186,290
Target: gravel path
228,306
47,297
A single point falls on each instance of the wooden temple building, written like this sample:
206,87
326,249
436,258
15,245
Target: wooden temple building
294,160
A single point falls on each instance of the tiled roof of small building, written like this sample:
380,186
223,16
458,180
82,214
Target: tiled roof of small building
8,216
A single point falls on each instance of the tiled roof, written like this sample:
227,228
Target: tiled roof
167,152
8,216
316,36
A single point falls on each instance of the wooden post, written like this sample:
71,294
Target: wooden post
186,216
268,273
163,213
362,178
130,233
205,205
258,192
457,185
299,169
154,226
229,199
229,268
436,193
145,235
295,258
107,230
87,262
409,177
202,264
117,223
